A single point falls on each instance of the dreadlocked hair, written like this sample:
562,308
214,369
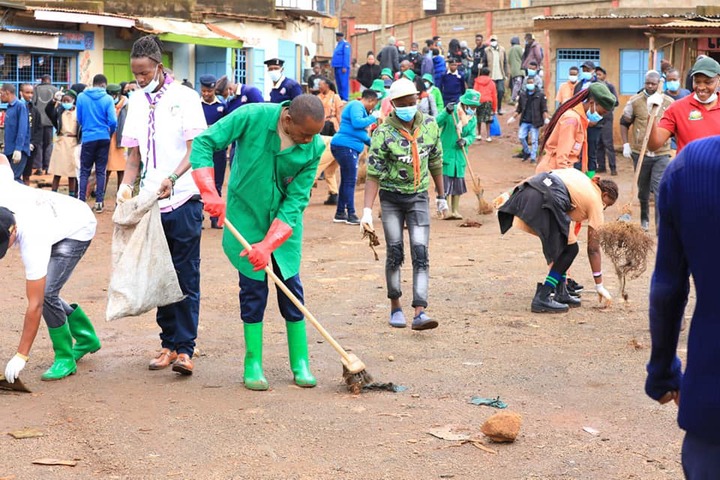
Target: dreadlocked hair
607,186
579,97
148,46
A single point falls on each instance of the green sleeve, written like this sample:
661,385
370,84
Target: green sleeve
468,132
377,157
435,157
298,191
218,137
438,98
442,119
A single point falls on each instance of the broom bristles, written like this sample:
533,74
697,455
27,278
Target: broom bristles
627,245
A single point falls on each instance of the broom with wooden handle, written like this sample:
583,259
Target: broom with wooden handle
354,371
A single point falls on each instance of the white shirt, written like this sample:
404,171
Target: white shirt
178,118
43,219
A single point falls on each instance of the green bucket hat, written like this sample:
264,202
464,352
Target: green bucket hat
72,93
379,86
429,78
386,71
602,96
409,74
471,98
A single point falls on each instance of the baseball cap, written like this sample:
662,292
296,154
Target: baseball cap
589,64
7,224
707,66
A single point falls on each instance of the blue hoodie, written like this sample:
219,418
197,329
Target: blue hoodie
96,114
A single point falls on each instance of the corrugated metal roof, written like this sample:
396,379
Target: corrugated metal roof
690,24
83,12
29,32
371,27
608,17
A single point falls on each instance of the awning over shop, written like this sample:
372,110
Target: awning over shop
594,22
180,31
28,38
71,16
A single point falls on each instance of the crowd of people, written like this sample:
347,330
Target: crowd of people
414,120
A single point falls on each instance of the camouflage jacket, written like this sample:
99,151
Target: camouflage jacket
390,158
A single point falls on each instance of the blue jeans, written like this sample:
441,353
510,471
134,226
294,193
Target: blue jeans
254,296
347,158
64,256
412,210
700,459
525,129
179,321
94,153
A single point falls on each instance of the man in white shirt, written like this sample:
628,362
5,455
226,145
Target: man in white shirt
53,233
163,118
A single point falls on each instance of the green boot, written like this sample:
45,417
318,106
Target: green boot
64,363
86,341
253,374
298,347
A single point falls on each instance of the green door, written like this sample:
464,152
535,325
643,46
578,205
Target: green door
116,65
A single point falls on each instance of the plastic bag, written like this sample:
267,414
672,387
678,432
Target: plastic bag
143,276
495,127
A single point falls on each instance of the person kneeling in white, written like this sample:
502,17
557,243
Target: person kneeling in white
53,232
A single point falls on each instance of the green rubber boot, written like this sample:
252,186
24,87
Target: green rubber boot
64,363
298,347
253,373
81,328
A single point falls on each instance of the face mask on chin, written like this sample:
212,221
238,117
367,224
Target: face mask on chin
154,83
710,99
593,116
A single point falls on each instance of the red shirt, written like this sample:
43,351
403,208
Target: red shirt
688,120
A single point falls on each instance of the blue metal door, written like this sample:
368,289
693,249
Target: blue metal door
573,57
258,66
288,52
212,60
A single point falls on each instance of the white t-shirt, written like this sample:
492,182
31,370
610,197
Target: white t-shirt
178,117
43,219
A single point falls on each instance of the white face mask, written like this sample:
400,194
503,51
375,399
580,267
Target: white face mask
275,75
150,87
710,99
493,43
572,78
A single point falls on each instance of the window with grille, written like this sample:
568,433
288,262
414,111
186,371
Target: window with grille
240,66
633,67
573,57
17,68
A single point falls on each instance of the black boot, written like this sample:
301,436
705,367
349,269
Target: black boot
332,199
563,296
542,303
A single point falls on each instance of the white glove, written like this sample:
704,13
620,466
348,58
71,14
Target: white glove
546,121
17,156
654,99
124,193
603,292
13,368
376,113
627,151
511,120
441,205
32,147
366,218
58,96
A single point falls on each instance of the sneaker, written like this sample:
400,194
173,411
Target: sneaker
613,173
397,319
99,207
332,199
489,139
340,218
520,155
423,322
352,220
478,137
573,287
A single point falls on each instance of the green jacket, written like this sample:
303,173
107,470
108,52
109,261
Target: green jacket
390,156
265,183
515,60
435,92
453,159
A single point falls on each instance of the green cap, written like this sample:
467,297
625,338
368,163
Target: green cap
602,96
707,66
471,98
113,88
429,78
379,86
72,93
409,74
386,71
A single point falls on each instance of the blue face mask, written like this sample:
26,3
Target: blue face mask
406,114
230,98
427,85
531,73
586,75
116,100
673,85
593,116
470,111
530,87
68,105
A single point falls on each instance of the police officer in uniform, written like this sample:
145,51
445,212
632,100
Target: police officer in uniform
214,109
283,88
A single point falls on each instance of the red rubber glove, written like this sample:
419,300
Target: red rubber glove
205,181
259,256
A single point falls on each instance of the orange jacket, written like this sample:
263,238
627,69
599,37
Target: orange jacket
567,141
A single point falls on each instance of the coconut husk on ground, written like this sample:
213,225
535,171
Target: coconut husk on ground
627,246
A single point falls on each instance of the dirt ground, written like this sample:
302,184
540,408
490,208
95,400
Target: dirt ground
562,373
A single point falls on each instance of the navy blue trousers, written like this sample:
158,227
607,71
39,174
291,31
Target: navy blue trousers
94,153
700,459
179,322
254,297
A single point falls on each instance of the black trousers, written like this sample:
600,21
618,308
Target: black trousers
605,146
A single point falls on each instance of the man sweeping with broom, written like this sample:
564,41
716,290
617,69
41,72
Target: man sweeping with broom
277,154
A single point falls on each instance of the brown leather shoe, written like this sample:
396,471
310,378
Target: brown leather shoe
183,365
163,359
